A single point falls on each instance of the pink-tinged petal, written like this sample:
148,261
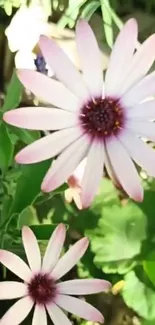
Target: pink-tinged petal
15,264
124,169
144,89
121,58
80,308
47,147
90,58
83,287
63,68
110,170
18,312
39,316
141,63
49,89
69,259
142,128
93,173
57,315
77,199
31,249
54,248
143,111
139,151
40,118
65,164
12,290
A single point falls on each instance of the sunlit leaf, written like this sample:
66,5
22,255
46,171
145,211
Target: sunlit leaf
107,21
14,93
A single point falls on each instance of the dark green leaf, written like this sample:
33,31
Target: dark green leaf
28,186
43,232
6,148
25,136
149,266
14,94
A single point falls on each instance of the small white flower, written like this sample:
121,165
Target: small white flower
41,287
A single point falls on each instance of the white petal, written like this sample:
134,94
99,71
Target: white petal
139,151
142,128
80,308
47,147
57,316
12,290
121,57
49,89
69,259
31,249
143,111
39,316
110,170
124,169
54,248
83,287
90,58
93,172
63,68
65,164
40,118
18,312
15,264
144,89
141,63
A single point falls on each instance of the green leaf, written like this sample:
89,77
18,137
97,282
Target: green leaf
107,20
6,148
25,136
27,217
28,186
149,266
43,232
89,9
139,296
14,94
71,13
120,267
118,236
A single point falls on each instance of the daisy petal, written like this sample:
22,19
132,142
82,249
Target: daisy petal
18,312
57,316
47,147
141,63
66,71
15,264
40,118
89,53
142,111
110,170
144,89
31,249
54,248
139,151
142,128
65,164
93,173
80,308
12,290
39,316
121,57
69,259
83,287
49,90
124,169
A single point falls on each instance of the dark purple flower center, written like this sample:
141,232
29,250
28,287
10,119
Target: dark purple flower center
102,117
42,288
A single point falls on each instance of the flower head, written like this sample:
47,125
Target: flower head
41,288
101,120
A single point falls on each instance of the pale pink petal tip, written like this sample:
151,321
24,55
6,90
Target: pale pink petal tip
139,196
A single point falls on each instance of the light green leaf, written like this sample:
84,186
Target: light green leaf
138,296
149,266
89,9
14,94
27,217
107,21
26,136
6,148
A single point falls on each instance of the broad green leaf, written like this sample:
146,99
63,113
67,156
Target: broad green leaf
149,266
107,21
26,136
43,232
138,296
28,186
6,148
27,217
121,267
89,9
14,94
118,236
